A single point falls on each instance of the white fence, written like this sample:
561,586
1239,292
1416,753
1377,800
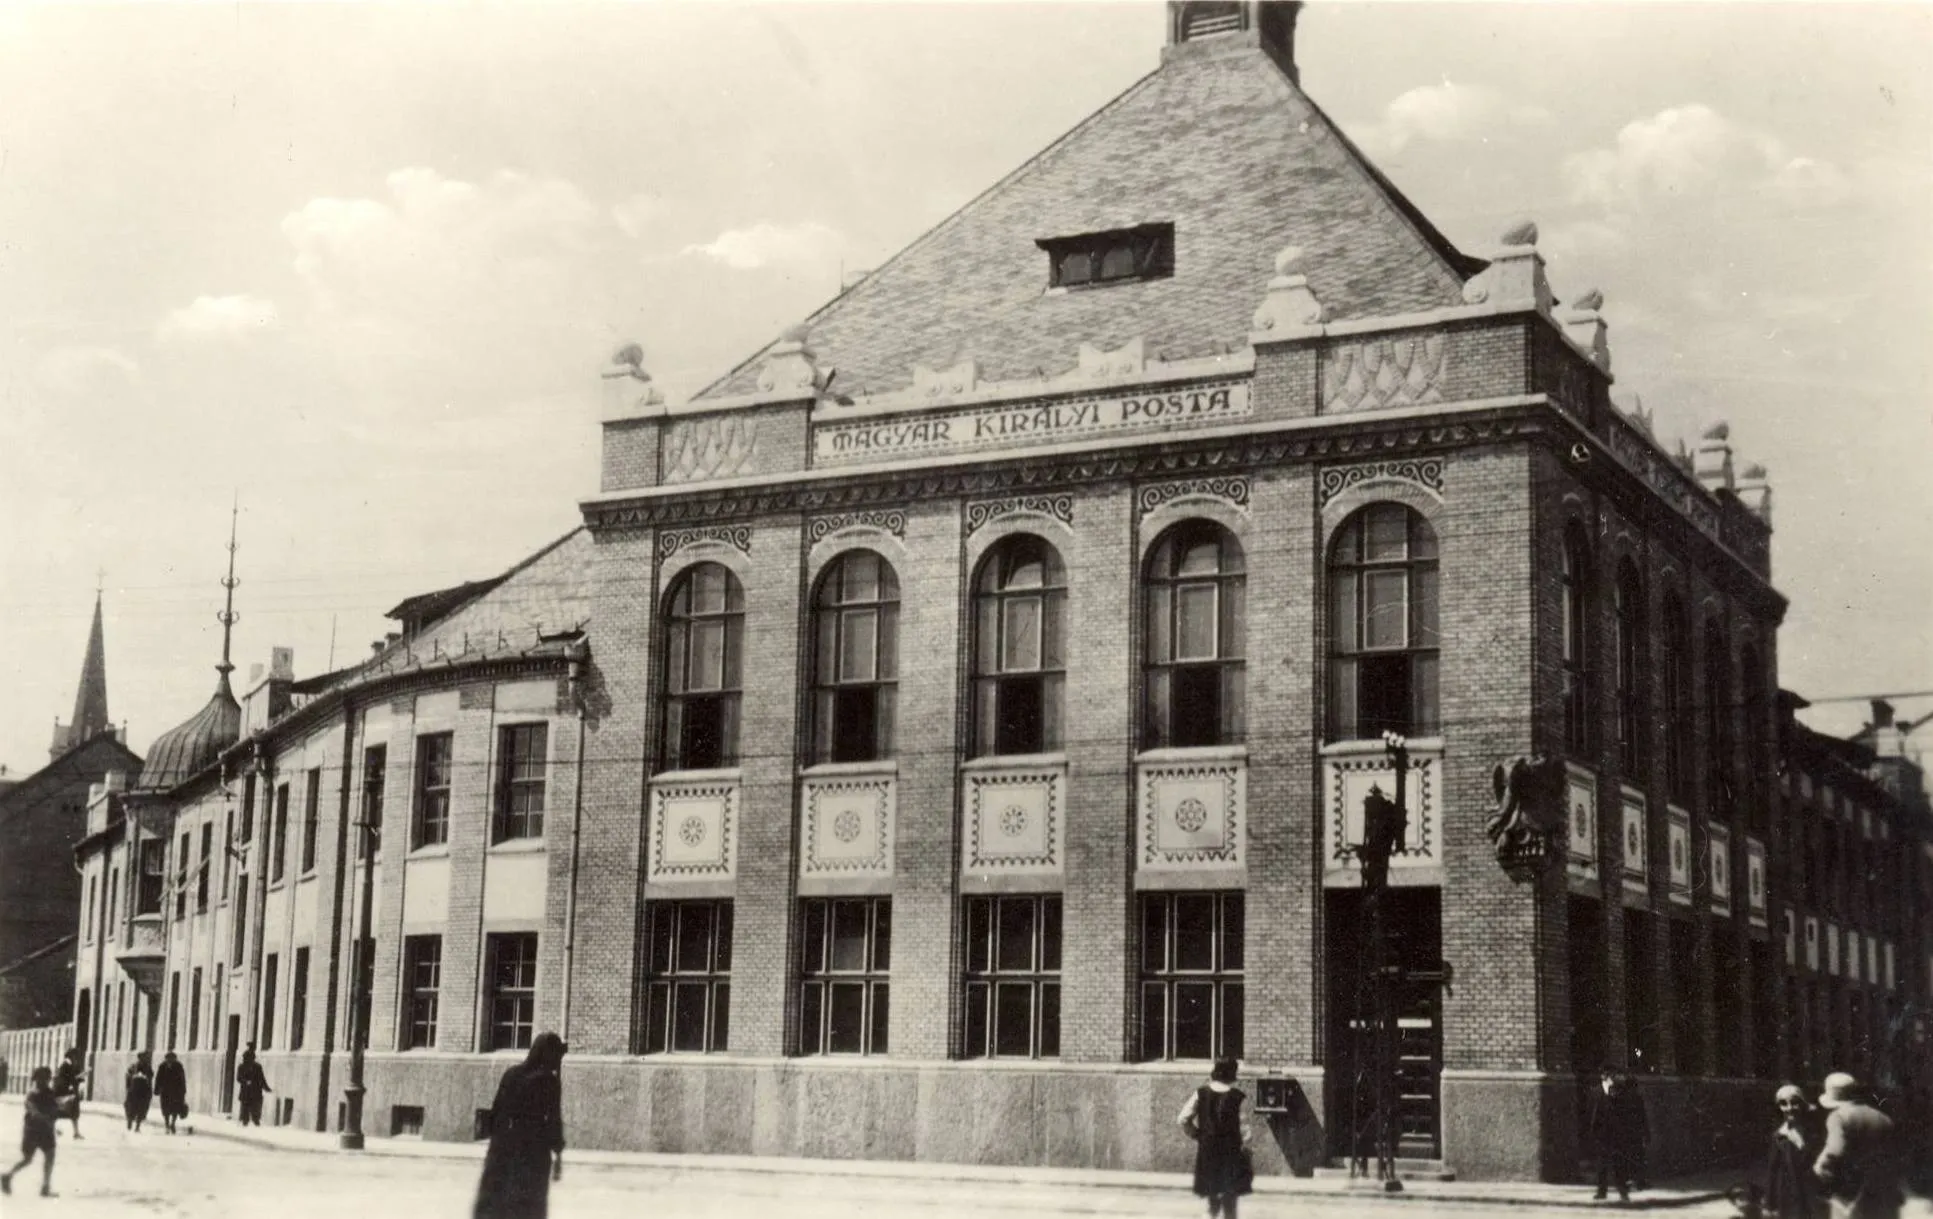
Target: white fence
25,1049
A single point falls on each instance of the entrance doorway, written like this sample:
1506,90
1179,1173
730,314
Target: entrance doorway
1413,919
228,1064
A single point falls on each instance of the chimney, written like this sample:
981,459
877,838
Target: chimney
1209,24
1882,713
281,664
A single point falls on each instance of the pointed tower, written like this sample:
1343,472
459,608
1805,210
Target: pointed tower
185,750
90,700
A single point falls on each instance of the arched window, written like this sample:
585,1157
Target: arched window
1718,722
1752,697
1194,615
1679,723
855,659
1578,710
704,635
1019,648
1630,663
1383,625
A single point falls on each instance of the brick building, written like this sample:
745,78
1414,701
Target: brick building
949,729
42,817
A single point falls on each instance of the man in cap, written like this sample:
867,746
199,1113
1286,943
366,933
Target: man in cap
1859,1167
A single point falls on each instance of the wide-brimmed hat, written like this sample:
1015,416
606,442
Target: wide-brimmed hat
1841,1089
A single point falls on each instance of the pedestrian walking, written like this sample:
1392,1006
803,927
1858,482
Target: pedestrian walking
251,1083
171,1089
67,1086
1214,1118
1618,1132
1790,1190
1859,1167
37,1133
140,1090
526,1136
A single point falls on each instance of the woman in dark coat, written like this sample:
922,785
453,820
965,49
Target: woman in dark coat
252,1082
1213,1117
171,1089
140,1090
526,1136
1791,1191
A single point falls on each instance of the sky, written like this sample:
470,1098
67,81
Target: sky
357,267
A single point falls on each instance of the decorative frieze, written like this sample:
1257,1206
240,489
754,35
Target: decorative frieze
693,832
1791,939
1812,943
1015,821
1349,773
1194,815
1637,868
1580,805
846,826
1755,882
1423,472
1230,489
671,541
1386,371
1678,829
715,446
1718,841
890,520
984,512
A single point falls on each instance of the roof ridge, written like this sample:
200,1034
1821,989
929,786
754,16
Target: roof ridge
940,226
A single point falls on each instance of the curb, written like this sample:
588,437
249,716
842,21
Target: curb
1171,1184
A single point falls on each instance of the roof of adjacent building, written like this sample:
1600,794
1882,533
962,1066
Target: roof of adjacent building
1220,142
191,746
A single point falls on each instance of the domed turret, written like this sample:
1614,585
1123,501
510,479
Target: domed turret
190,747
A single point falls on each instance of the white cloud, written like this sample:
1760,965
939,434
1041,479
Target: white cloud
1446,113
634,215
216,316
81,370
808,244
1693,151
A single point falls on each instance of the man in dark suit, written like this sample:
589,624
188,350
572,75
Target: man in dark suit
1618,1132
1860,1165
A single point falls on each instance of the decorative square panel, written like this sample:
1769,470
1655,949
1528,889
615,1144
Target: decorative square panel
693,831
1193,815
1872,960
1892,978
1014,820
1580,803
846,826
1679,828
1831,934
1812,944
1791,939
1755,881
1636,847
1719,850
1349,778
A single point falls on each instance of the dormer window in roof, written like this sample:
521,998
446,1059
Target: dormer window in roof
1092,259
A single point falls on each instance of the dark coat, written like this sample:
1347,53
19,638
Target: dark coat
526,1129
1791,1191
171,1089
1221,1162
1617,1121
140,1092
251,1081
1860,1164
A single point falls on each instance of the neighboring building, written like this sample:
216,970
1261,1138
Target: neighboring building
942,765
42,817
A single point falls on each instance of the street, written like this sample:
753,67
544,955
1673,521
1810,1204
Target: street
111,1173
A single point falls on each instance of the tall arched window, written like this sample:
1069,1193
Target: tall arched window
704,633
1019,648
1718,722
1383,625
1752,699
855,659
1679,723
1578,708
1194,625
1630,661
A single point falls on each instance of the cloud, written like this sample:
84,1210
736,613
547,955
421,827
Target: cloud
809,244
1694,152
78,371
218,316
634,215
1446,113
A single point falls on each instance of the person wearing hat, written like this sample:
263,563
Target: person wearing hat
1859,1167
1789,1189
1213,1117
37,1133
1618,1132
526,1136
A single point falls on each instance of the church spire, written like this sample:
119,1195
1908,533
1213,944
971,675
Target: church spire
228,617
90,700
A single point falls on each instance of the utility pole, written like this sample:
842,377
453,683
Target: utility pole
359,998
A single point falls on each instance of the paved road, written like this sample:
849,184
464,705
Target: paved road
111,1174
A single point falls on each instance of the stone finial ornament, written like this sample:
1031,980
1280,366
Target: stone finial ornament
1524,233
1752,471
628,390
1584,325
960,378
788,367
1590,302
1129,359
1290,305
1515,277
1755,491
1712,462
1717,431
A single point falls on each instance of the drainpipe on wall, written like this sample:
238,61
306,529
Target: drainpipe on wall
343,846
577,655
264,834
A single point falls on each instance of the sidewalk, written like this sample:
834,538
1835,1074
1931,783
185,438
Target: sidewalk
1677,1193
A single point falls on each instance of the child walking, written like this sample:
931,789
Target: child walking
37,1133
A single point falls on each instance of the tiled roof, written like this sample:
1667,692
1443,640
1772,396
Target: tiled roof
1221,144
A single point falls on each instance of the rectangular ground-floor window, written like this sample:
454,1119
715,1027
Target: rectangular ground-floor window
513,990
687,993
1013,977
845,960
422,983
1191,976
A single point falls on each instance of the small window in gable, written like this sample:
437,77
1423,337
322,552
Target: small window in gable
1092,259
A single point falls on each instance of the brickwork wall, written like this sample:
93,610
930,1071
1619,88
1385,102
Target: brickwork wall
1485,359
630,454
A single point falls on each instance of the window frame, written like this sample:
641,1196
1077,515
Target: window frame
665,974
511,1007
1348,653
1226,983
432,782
1721,772
1680,722
182,855
1165,721
311,820
1629,618
834,609
271,966
995,687
822,980
1577,639
375,781
1088,260
205,858
680,743
278,842
520,797
299,998
421,1002
987,974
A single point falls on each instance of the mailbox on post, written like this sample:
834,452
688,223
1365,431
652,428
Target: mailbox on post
1276,1093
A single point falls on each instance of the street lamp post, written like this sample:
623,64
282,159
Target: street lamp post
1385,824
351,1137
